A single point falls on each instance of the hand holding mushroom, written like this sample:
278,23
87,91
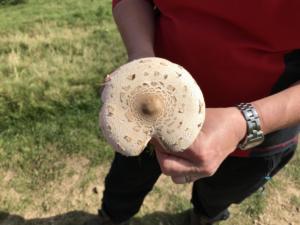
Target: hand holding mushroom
154,99
221,132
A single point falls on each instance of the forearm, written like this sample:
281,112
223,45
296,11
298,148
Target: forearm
280,110
135,20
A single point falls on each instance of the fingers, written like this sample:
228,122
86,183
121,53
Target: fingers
179,166
185,179
174,166
179,169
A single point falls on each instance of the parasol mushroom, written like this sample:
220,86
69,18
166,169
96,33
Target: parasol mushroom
151,98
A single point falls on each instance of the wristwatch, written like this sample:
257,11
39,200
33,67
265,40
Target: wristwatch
254,134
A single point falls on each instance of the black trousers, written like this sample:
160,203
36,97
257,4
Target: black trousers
130,179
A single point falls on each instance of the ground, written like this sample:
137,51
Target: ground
77,194
53,159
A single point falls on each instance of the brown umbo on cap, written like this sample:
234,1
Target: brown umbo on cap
151,98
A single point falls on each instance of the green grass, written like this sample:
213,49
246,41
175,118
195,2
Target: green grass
295,201
12,2
292,170
53,57
255,205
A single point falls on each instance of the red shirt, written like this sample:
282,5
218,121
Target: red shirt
234,49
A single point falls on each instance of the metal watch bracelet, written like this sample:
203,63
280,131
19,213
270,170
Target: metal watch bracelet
254,134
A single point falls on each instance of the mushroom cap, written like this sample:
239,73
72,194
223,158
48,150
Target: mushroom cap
151,98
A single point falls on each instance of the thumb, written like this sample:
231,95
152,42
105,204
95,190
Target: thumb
158,146
171,165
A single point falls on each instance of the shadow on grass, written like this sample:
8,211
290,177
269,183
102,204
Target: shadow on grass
78,218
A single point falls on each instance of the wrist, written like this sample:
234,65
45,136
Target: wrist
239,124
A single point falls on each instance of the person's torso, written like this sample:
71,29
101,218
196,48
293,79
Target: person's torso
234,49
237,51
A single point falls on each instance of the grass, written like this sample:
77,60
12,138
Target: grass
292,170
54,55
255,205
53,58
295,201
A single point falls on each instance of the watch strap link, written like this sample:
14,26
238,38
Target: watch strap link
254,134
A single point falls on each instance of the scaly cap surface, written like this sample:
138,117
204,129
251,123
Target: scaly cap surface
151,97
